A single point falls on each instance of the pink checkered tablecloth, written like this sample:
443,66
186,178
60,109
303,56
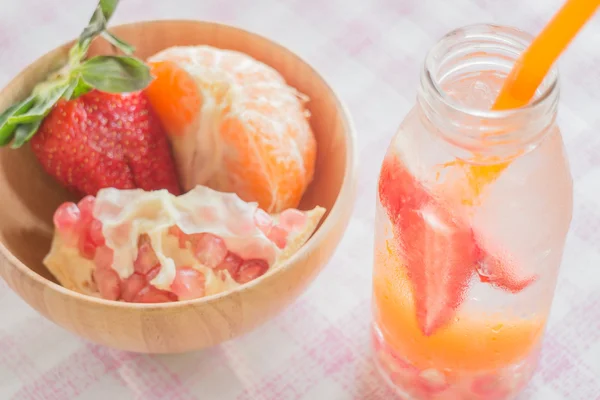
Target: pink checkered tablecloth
371,52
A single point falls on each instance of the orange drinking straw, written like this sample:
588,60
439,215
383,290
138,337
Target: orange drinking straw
531,68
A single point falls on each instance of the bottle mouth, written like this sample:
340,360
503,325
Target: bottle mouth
476,48
483,55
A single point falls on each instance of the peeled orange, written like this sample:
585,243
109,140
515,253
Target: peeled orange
235,125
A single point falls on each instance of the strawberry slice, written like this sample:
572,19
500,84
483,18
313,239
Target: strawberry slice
499,267
398,189
440,256
501,270
440,253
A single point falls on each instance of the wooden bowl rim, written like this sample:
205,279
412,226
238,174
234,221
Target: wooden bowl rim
345,197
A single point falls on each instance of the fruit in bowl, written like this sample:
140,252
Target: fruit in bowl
153,247
148,229
98,128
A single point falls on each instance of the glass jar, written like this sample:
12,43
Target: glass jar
473,210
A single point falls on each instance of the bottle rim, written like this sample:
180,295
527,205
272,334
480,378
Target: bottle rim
509,38
489,51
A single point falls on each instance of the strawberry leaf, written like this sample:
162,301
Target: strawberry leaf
77,87
68,94
25,132
115,74
43,103
6,128
81,88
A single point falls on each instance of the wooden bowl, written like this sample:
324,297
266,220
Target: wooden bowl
29,198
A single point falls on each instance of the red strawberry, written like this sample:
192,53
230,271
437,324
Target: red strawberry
104,140
440,253
90,125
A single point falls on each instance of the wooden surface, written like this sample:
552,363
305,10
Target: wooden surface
30,197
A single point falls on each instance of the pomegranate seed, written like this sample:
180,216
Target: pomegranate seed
263,221
103,257
87,248
151,294
96,232
251,269
188,283
292,220
429,383
182,237
490,387
131,286
66,218
401,373
146,258
209,249
231,263
152,273
393,363
173,230
278,235
108,283
86,206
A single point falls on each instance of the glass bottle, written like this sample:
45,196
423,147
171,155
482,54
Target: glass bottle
473,209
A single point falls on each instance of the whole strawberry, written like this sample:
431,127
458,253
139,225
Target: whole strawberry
105,140
90,124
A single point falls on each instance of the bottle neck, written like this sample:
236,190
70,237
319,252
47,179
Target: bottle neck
461,78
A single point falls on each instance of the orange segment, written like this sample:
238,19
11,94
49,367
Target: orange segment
241,128
174,96
471,343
